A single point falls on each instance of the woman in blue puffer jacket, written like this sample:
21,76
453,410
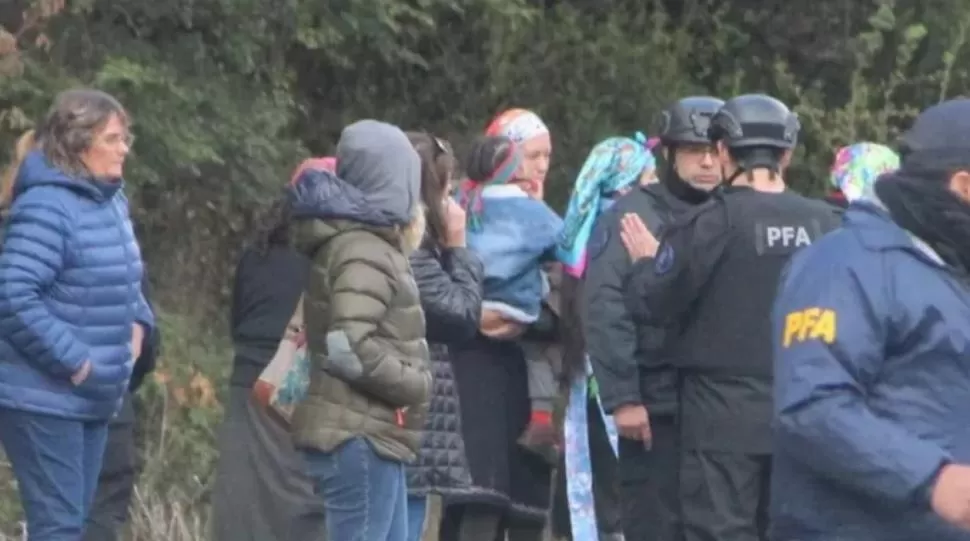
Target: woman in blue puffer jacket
72,315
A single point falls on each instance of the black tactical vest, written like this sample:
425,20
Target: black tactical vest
728,329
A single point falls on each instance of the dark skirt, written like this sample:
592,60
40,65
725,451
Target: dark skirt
262,491
495,408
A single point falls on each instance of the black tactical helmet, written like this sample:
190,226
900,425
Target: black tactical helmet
687,120
755,120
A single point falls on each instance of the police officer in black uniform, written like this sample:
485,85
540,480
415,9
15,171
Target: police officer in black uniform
637,385
711,282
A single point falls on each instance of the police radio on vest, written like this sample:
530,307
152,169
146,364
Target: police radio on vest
788,236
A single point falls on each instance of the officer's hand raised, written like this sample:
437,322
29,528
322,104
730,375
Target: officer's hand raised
639,242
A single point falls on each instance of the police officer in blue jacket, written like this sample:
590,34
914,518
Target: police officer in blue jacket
711,283
872,357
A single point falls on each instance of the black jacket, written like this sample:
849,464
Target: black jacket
626,354
450,285
712,284
265,292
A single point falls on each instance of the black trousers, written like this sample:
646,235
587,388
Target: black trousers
116,484
724,496
472,522
649,484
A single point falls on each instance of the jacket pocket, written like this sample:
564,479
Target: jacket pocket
414,388
99,385
392,380
341,359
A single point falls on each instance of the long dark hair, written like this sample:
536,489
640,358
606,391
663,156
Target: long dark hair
437,166
487,154
572,329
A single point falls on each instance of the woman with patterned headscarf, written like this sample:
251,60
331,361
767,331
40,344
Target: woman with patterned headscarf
856,169
527,130
534,146
515,236
510,485
614,167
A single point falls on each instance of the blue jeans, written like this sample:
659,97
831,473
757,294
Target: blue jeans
365,495
417,510
56,462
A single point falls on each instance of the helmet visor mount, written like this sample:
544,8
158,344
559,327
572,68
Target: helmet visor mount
700,123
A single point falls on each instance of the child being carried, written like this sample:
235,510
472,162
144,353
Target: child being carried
514,235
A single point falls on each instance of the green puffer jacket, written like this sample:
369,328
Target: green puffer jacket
370,373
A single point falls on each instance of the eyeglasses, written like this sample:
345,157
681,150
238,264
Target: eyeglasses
115,139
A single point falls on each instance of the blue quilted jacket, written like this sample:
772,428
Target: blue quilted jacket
70,291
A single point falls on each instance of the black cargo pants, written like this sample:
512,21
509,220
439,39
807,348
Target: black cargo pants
116,484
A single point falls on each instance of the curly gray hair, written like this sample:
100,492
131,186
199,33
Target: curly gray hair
72,123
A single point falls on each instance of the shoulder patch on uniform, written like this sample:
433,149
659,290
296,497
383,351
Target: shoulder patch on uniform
598,239
664,262
810,324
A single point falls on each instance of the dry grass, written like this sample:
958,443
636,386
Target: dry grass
154,518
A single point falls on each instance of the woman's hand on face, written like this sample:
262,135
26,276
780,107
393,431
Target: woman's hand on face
455,223
533,188
637,239
494,325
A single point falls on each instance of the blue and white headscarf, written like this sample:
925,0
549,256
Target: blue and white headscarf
613,164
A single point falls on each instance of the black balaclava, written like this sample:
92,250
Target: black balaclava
918,195
920,201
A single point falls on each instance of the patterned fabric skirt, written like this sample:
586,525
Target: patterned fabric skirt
579,474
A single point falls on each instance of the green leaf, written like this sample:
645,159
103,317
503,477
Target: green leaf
883,20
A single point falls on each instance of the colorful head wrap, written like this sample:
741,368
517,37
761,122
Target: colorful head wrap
328,163
518,125
613,164
858,166
470,192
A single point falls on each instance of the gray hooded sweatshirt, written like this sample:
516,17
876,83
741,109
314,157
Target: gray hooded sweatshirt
379,160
